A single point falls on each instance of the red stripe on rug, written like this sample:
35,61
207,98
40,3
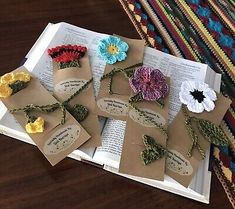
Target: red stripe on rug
174,33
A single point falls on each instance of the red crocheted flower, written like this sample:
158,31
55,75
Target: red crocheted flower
151,83
67,53
67,56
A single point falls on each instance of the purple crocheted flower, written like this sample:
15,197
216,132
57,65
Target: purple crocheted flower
151,83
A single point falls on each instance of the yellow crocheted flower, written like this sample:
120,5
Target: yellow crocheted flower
36,127
22,76
8,78
5,90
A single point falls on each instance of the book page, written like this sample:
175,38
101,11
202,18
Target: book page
112,139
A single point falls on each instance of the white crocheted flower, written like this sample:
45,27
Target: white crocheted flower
198,96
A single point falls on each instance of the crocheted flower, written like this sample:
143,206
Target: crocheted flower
5,90
11,83
151,83
197,96
67,55
35,127
112,49
8,78
22,76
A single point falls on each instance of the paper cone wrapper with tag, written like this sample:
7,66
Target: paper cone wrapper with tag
57,141
137,126
116,105
178,165
66,82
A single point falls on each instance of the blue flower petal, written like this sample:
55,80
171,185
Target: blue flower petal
121,56
102,47
104,41
123,46
111,59
113,40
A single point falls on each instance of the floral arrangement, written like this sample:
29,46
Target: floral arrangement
11,83
112,49
197,97
67,55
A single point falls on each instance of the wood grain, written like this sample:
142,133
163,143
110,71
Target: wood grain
26,178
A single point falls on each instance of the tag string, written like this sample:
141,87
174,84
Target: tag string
52,107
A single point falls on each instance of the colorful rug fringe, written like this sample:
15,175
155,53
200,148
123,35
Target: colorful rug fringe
202,31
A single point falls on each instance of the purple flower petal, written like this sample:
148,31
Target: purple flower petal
150,82
150,95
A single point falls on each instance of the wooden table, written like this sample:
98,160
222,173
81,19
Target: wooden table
26,178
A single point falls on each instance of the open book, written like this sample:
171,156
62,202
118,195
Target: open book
108,156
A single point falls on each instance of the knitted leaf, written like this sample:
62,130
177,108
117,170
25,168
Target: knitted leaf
212,133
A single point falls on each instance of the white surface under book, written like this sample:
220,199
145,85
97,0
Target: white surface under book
40,65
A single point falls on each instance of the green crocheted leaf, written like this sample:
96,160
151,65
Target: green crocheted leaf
79,112
148,156
17,86
212,133
74,63
153,151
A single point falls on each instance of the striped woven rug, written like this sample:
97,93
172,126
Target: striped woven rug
203,31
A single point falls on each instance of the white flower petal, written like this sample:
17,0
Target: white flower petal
209,93
201,86
208,104
185,97
195,106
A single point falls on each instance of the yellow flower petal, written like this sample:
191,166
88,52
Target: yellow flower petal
8,78
36,127
5,90
22,76
30,128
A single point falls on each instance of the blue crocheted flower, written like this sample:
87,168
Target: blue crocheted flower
112,49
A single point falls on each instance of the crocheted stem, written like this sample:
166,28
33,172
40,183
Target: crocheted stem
192,134
51,107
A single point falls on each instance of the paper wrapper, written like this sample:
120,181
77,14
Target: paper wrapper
137,126
178,165
116,105
57,141
66,82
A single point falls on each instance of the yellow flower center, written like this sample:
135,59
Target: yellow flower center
112,49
